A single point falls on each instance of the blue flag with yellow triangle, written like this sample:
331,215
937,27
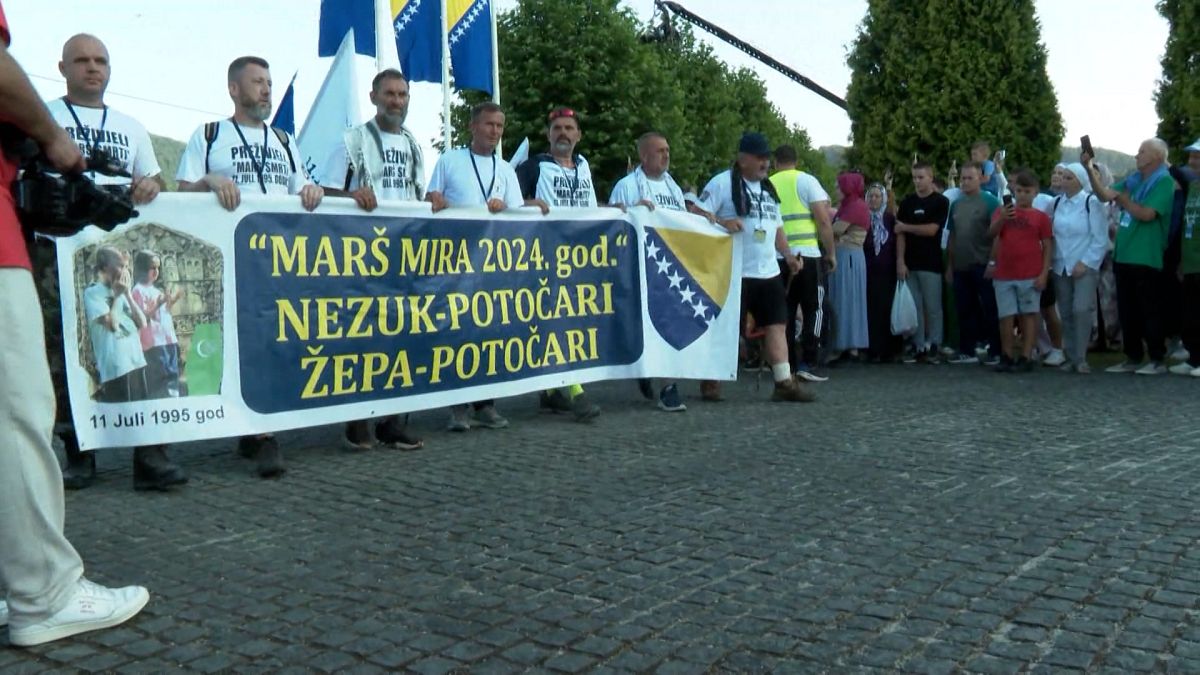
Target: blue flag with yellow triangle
470,37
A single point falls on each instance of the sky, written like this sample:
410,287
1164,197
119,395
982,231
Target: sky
169,57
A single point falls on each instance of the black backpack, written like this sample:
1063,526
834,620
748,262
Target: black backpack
211,130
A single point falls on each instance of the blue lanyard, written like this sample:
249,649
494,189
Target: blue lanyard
488,192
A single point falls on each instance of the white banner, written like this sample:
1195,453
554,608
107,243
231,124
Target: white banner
192,322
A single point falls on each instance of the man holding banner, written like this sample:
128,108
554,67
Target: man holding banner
561,178
474,176
225,158
380,160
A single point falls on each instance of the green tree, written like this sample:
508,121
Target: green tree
931,78
589,55
1178,96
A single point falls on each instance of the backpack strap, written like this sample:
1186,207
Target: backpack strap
210,136
283,139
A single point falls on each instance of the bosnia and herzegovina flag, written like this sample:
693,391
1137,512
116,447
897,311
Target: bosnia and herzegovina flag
417,26
470,35
687,282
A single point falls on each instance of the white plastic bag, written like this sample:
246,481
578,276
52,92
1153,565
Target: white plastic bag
904,311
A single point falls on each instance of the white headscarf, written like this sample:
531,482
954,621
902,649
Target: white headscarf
1080,175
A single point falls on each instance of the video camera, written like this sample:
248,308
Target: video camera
62,205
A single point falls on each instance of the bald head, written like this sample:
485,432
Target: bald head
86,69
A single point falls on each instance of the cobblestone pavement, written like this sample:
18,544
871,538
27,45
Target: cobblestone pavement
917,518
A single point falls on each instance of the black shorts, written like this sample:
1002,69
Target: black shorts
765,299
1048,298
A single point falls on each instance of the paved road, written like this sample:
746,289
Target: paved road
917,518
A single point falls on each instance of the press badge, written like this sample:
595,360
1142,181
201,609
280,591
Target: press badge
1126,219
760,234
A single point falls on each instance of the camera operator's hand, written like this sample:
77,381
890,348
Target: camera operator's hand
226,190
145,190
62,153
310,196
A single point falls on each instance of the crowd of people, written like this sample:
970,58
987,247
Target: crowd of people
1031,272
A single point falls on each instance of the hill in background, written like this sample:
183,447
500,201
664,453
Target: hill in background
168,152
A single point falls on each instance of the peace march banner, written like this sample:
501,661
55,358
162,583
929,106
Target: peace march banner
192,322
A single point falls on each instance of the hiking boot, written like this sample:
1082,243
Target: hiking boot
460,418
792,391
393,433
710,390
646,386
489,418
669,399
357,436
80,471
583,409
554,401
153,470
266,454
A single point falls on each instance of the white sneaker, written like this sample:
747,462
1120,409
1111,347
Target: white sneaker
1196,372
1122,367
1180,354
1055,358
1151,368
1180,369
3,614
93,607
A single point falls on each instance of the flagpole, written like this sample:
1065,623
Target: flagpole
447,128
495,56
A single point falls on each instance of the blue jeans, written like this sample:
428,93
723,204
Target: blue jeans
975,300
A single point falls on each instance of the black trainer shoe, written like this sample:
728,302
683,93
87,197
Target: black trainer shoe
393,433
646,386
357,436
153,470
1023,365
554,401
583,409
268,457
1005,365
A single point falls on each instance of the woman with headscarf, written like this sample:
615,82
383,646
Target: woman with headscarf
1080,243
879,250
848,285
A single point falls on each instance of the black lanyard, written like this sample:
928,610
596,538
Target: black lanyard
488,192
96,134
258,168
759,205
573,186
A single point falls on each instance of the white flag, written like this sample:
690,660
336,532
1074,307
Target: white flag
334,110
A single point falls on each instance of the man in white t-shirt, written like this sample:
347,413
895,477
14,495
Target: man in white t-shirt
651,185
746,203
808,226
475,176
245,153
379,160
561,179
98,130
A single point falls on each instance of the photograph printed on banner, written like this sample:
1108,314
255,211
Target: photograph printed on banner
150,301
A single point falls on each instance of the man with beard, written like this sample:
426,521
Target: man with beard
380,160
245,153
560,179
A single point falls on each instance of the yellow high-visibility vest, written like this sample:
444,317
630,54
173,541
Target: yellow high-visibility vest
798,222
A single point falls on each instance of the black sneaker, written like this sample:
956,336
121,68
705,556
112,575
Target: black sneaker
357,436
669,399
922,357
267,456
554,402
1005,365
393,433
583,409
646,386
1023,365
153,470
80,471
